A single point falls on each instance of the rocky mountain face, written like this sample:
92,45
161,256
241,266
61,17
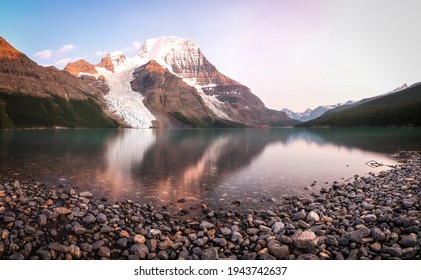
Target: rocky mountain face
172,101
170,83
36,96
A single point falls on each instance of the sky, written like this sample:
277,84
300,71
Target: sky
291,53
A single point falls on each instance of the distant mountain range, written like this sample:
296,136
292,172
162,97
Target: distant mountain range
401,107
311,114
169,83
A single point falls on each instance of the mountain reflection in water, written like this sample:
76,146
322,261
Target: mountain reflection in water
217,165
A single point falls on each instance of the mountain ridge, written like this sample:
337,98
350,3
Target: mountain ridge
399,108
35,96
227,101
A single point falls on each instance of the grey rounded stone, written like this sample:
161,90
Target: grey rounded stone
139,239
89,219
378,234
313,217
206,225
409,240
141,250
278,227
331,241
225,231
252,231
278,250
370,218
104,252
101,218
163,255
209,254
306,240
122,242
221,242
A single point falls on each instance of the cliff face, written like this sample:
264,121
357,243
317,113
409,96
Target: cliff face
172,101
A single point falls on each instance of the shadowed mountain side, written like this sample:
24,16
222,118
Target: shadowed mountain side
172,101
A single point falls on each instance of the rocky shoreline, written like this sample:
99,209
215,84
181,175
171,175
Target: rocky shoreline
372,217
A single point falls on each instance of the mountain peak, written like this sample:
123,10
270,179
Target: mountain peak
80,66
7,50
183,58
159,48
107,63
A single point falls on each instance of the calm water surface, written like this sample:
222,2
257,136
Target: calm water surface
212,165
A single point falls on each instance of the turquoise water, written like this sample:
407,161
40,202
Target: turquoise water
212,165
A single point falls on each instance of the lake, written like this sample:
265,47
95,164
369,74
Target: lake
217,166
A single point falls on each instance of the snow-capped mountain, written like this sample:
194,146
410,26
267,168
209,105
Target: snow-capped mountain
311,114
170,83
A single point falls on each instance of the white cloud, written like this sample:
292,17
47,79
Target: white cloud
134,46
101,53
64,49
63,62
45,54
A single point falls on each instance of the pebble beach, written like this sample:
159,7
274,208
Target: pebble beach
369,217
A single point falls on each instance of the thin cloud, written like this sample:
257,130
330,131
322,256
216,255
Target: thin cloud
134,46
101,53
45,54
64,49
63,62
